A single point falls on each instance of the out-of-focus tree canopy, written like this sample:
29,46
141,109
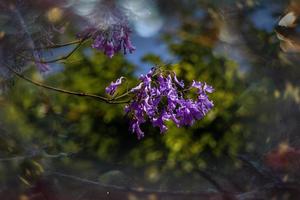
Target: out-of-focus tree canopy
256,111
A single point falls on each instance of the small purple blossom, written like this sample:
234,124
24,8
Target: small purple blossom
180,83
161,97
111,89
208,88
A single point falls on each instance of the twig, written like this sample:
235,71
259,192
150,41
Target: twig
134,190
225,194
80,42
43,154
16,158
122,95
96,97
260,171
261,193
54,46
63,57
211,180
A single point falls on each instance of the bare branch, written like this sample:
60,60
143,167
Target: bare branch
79,43
66,56
225,194
42,154
134,190
55,46
93,96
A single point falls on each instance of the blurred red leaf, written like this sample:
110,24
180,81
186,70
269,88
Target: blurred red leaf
284,158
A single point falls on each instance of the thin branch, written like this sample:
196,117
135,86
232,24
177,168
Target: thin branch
79,43
261,193
16,158
93,96
66,56
225,194
134,190
55,46
43,154
262,172
122,95
210,179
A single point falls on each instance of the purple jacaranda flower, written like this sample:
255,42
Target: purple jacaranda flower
160,121
127,44
188,112
180,83
99,42
160,98
104,45
137,88
208,88
111,89
198,85
135,128
123,40
109,49
108,27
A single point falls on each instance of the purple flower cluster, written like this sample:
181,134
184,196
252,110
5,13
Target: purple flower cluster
110,41
161,97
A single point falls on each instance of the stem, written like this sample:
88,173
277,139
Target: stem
122,95
66,56
54,46
93,96
80,42
133,190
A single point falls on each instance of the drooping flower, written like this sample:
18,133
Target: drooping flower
160,97
113,40
109,30
111,89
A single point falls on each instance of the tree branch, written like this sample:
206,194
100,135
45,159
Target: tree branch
66,56
82,94
41,154
129,189
79,43
54,46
